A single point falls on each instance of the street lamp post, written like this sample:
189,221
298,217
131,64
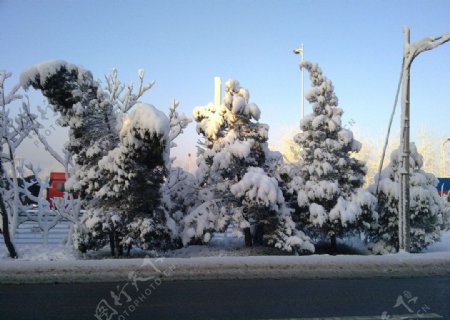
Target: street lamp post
300,51
411,51
404,213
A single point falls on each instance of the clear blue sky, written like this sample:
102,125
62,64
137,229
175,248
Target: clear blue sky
184,44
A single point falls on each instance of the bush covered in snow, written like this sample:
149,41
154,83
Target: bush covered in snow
426,207
325,186
262,203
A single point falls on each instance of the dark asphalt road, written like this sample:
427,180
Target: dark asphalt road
229,299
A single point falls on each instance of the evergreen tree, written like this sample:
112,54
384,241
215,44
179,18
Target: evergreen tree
426,207
135,171
121,158
233,151
326,183
86,110
261,204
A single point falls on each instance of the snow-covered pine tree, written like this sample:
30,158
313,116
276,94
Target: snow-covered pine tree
426,206
446,215
82,106
231,144
135,171
261,204
121,158
326,183
232,159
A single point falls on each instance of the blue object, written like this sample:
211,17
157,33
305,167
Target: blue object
445,183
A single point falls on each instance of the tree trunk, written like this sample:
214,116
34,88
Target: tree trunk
333,245
259,234
118,247
5,229
111,243
114,244
248,237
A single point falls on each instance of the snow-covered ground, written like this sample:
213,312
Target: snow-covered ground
441,246
63,264
250,267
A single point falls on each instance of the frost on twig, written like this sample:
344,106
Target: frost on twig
178,122
13,131
121,96
32,117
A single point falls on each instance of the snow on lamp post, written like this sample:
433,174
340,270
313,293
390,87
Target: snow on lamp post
411,51
300,51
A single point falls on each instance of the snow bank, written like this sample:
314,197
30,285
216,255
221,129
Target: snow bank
61,264
35,252
274,267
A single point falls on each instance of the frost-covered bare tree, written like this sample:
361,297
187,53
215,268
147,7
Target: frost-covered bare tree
21,184
12,134
122,97
179,192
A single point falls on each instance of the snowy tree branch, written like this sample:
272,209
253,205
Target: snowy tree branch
48,148
121,99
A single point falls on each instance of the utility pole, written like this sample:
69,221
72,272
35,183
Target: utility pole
301,51
404,220
411,51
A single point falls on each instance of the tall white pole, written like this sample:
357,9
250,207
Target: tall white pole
300,51
303,83
411,51
404,215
